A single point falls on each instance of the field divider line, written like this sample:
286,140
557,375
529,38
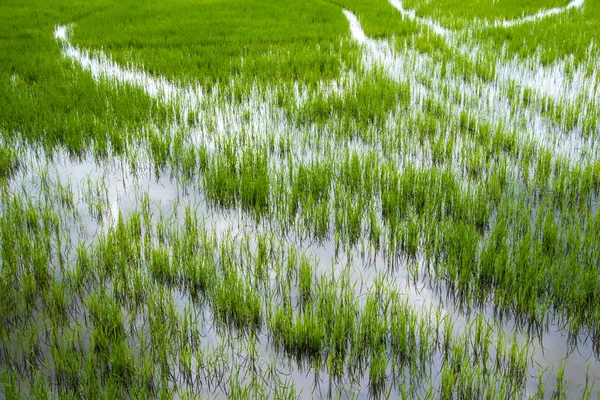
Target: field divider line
441,30
495,109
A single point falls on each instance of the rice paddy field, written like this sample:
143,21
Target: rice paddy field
300,199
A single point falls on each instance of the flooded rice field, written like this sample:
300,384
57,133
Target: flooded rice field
399,207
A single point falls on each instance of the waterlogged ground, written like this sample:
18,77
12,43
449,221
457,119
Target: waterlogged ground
243,199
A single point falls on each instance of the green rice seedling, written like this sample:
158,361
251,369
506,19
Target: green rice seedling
541,385
373,324
309,337
10,163
559,390
448,329
40,387
375,229
107,319
354,221
262,259
30,291
457,356
67,368
449,377
588,389
236,302
161,266
122,367
10,385
517,363
320,219
160,149
280,324
468,385
254,181
57,302
305,279
377,370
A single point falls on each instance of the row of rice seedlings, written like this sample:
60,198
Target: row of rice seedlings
9,163
105,125
211,114
160,163
501,145
303,44
570,114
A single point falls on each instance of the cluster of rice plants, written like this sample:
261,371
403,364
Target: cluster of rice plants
292,200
